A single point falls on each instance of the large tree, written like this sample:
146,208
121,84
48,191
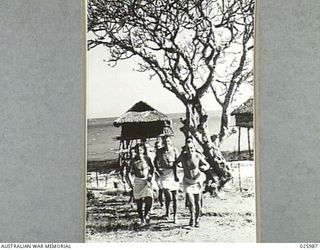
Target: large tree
195,48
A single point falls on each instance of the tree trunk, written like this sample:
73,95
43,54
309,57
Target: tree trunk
224,127
196,125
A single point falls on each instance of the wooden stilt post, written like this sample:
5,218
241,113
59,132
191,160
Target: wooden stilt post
249,142
239,140
120,153
97,178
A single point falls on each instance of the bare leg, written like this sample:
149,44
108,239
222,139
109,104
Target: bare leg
167,195
197,201
174,204
148,205
140,211
201,204
131,196
160,197
186,204
191,206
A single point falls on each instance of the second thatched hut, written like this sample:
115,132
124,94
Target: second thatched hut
244,119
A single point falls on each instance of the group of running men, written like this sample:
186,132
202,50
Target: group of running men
144,173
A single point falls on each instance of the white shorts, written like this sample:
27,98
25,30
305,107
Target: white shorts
167,180
194,186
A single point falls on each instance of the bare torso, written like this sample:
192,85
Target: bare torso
140,166
191,164
166,157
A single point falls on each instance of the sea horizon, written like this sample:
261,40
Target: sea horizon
169,114
103,145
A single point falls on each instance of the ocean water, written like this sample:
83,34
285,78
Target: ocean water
102,145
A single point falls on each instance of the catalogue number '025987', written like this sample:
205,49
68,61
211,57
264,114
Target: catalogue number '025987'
309,245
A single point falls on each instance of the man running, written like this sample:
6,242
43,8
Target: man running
142,168
192,163
164,160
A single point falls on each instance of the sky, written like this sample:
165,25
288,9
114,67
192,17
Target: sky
111,91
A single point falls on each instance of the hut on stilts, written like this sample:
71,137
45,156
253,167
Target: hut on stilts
244,119
139,124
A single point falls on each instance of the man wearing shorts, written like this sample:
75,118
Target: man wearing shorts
164,160
192,163
142,169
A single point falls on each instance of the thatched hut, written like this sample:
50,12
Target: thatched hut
244,114
244,119
141,123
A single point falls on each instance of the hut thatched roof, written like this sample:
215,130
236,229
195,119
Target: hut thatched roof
141,112
244,108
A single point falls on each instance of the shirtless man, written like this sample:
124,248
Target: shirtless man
164,160
192,163
141,167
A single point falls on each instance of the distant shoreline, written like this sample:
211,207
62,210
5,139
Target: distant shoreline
169,114
101,121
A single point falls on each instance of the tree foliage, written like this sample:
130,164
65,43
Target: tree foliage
193,46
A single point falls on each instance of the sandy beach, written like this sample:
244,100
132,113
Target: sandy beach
228,218
111,218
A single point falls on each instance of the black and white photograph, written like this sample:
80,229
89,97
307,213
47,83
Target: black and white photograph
170,121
